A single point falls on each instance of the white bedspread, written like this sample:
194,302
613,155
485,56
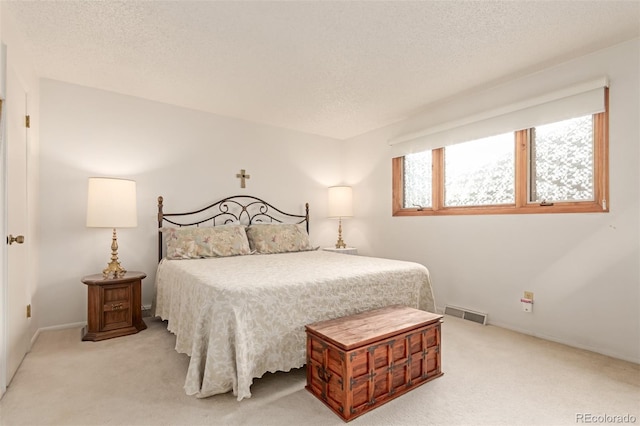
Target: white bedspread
240,317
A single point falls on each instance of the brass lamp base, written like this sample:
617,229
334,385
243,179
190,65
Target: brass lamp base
340,243
114,269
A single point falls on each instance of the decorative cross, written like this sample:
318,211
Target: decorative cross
242,176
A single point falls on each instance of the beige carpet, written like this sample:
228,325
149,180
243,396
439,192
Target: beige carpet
492,377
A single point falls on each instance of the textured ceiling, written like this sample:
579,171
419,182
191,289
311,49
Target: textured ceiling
337,69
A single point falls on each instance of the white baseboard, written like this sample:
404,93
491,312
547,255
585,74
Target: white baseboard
598,350
69,325
601,351
55,327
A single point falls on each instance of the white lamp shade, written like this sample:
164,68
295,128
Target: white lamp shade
111,203
340,201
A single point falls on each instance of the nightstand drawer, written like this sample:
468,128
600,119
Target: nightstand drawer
114,294
116,311
113,320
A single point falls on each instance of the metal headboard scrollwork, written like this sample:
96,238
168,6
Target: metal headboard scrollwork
245,209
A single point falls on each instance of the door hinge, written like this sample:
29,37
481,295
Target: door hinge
29,310
27,121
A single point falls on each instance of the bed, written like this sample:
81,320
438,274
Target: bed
238,280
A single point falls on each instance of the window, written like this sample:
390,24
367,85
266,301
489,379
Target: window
562,161
417,179
560,167
480,172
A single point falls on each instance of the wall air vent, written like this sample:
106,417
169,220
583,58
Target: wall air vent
464,313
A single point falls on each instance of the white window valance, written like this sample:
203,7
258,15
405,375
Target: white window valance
574,101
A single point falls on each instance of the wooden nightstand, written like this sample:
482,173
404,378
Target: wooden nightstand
114,306
347,250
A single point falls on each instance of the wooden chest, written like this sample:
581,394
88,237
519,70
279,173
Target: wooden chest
359,362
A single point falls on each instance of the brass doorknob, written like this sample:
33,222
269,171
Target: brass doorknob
19,239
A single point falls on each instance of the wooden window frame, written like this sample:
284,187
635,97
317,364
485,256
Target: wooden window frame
600,204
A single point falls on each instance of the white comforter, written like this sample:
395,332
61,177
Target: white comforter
240,317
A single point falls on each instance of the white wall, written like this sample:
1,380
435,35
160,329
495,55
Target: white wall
188,157
583,268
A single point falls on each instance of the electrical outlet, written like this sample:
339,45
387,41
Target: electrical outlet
145,310
528,295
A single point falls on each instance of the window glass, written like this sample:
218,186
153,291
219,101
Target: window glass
562,157
417,179
480,172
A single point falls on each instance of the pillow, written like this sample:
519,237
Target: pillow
278,238
198,243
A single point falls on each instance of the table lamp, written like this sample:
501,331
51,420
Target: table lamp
111,203
340,205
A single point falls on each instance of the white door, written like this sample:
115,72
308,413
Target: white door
17,292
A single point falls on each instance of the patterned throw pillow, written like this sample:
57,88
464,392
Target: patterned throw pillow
278,238
198,243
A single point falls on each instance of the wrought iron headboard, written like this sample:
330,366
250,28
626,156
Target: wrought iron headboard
244,209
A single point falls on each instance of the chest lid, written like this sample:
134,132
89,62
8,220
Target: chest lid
368,327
